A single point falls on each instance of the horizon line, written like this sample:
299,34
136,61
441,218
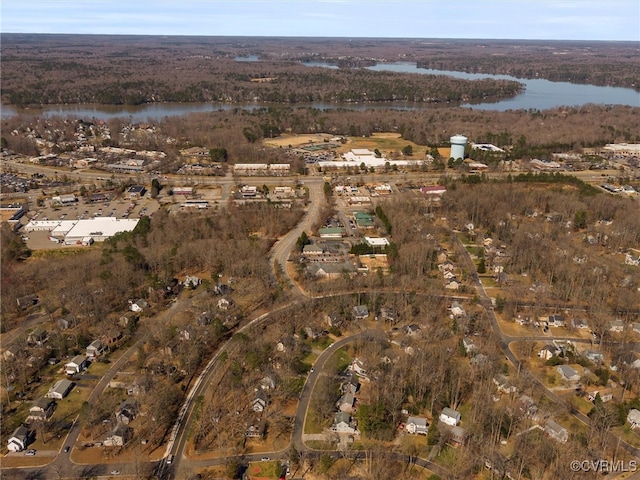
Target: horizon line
321,37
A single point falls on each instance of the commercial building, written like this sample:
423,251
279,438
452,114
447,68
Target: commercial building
83,231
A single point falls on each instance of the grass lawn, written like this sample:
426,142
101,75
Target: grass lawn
464,238
312,422
343,360
259,470
322,343
415,445
628,435
581,404
448,457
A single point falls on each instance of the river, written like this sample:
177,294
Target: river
538,95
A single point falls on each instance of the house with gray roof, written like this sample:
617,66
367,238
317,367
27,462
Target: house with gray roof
60,389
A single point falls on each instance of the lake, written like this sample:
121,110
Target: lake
538,95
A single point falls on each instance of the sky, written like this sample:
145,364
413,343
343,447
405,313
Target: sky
501,19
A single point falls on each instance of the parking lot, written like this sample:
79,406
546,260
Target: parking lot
120,207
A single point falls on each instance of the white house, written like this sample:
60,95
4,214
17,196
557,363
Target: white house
42,410
457,310
95,349
450,417
468,344
548,351
556,431
19,440
60,389
568,373
342,423
76,365
357,366
633,417
417,425
138,305
503,384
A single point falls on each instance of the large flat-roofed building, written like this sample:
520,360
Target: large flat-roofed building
99,229
79,231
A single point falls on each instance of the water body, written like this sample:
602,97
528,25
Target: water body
539,95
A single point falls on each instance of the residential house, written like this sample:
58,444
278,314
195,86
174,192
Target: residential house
556,431
412,330
37,338
342,423
77,364
605,394
633,417
352,385
527,406
267,383
523,321
126,412
360,312
42,410
617,326
503,384
549,351
479,360
259,403
60,389
389,314
417,425
556,321
450,417
118,437
446,266
66,322
568,373
334,319
594,356
357,366
224,303
138,306
256,430
19,439
95,349
580,323
452,284
468,345
458,436
346,402
456,310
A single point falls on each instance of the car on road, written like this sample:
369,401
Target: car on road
265,459
66,449
115,472
30,453
312,370
169,459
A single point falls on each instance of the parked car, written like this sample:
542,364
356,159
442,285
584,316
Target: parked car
30,453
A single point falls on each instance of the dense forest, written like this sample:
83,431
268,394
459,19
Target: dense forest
44,69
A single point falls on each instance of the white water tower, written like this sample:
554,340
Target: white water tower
457,146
